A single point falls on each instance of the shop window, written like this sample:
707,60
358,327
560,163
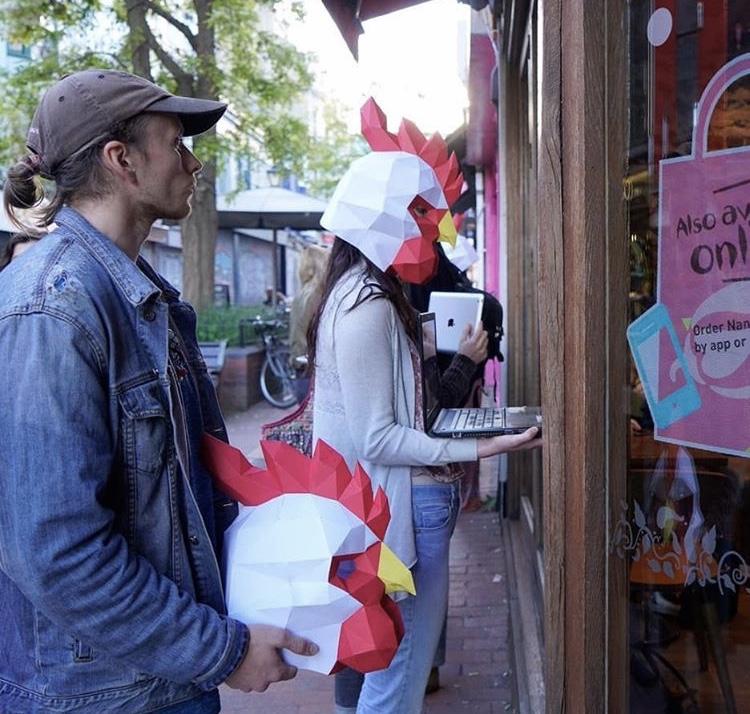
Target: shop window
684,528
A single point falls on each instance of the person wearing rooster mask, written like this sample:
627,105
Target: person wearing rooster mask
387,213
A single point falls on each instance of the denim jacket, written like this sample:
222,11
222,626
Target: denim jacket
111,593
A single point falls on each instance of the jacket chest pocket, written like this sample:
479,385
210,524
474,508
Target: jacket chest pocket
150,514
144,428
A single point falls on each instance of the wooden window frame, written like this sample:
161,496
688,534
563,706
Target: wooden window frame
583,273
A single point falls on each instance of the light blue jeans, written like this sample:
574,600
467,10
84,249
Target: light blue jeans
400,688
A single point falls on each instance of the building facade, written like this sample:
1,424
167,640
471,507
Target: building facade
622,128
615,174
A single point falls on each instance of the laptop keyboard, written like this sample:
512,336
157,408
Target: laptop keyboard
471,419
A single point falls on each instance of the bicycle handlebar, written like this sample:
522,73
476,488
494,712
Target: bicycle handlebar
262,325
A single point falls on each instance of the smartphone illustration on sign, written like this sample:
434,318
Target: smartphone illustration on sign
669,389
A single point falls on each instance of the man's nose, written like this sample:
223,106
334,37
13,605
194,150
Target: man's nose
191,162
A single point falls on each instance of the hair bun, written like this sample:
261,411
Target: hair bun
22,189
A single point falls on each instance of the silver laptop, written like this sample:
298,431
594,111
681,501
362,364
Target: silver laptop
465,422
453,311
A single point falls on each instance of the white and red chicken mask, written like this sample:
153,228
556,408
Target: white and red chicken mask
306,553
394,203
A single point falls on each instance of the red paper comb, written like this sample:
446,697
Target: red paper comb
433,151
289,471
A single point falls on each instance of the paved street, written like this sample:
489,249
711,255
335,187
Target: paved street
475,678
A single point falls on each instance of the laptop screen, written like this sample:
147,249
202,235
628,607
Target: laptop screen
430,371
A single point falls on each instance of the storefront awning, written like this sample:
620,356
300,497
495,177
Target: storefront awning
271,207
481,140
350,14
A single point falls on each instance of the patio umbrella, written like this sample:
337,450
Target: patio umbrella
271,208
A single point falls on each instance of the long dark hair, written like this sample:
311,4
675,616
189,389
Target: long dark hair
378,286
81,175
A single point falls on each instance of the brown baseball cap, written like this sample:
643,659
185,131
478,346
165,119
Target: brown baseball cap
84,106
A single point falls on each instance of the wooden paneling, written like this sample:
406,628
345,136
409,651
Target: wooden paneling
552,354
520,155
526,635
515,14
514,119
531,386
581,284
585,367
577,350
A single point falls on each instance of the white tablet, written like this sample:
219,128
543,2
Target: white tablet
453,311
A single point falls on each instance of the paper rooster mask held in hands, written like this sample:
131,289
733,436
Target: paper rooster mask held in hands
306,553
394,203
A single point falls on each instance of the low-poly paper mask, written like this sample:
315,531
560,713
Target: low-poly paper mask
394,203
463,255
306,553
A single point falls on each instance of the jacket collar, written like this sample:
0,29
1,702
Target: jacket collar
170,292
128,276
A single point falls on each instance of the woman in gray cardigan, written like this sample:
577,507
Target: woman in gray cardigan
387,212
363,346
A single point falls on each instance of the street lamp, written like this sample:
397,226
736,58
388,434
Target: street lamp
273,179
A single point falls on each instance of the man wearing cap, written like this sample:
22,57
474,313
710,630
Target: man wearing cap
110,527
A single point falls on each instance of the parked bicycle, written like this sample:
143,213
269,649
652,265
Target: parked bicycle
276,375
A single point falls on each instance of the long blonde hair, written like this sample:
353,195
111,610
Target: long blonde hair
313,263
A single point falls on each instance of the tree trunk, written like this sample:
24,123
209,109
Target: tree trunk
139,50
200,228
199,232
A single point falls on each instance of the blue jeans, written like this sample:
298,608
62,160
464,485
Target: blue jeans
400,688
208,703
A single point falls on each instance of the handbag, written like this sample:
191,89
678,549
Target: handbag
296,428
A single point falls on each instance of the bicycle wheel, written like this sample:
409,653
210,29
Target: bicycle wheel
276,383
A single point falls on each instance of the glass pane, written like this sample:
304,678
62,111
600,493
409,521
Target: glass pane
685,528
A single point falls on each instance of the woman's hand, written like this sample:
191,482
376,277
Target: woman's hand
473,343
510,442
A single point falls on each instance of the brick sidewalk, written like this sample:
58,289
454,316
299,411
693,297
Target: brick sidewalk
475,678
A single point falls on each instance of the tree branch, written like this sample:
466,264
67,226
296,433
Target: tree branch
183,78
172,20
95,53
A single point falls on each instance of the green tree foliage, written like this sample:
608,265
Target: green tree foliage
331,153
212,49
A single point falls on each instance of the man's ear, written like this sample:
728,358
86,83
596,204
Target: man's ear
117,158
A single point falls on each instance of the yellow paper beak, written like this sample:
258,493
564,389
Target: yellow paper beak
394,574
447,230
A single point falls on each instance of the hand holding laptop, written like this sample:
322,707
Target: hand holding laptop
510,442
467,422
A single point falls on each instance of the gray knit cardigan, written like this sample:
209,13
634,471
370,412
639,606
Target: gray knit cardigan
364,402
